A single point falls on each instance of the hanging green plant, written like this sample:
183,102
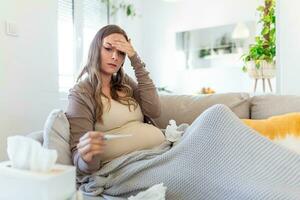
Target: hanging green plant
114,6
127,8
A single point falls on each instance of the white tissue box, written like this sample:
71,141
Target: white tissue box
17,184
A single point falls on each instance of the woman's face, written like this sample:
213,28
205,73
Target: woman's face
111,58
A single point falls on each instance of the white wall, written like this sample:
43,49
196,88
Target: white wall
288,43
132,26
28,67
161,19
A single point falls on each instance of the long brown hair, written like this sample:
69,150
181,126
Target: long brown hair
92,70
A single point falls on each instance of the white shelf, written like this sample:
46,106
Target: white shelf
222,56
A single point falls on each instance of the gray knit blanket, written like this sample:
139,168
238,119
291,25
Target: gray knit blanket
218,158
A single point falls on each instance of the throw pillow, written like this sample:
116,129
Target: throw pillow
282,129
56,136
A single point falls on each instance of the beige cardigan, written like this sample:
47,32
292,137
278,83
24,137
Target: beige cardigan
81,110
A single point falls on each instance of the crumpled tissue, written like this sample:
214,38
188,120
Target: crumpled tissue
156,192
173,132
26,153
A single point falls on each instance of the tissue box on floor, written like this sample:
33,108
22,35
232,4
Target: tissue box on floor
58,184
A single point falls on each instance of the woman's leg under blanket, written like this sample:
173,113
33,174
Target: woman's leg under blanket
218,158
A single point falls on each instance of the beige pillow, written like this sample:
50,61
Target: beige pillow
56,136
186,108
265,106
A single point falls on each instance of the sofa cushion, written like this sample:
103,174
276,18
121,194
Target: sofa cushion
282,129
265,106
186,108
57,135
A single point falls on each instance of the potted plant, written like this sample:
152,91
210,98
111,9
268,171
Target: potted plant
260,60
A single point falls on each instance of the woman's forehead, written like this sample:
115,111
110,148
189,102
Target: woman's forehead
114,36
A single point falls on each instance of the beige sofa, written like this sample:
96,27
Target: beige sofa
186,108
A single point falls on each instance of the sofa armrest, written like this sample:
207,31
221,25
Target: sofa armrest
37,135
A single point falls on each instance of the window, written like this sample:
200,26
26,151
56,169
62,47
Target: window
65,44
78,22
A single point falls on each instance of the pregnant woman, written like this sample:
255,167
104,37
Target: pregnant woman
217,158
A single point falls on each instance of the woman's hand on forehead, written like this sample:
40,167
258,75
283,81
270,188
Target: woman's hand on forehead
124,46
108,44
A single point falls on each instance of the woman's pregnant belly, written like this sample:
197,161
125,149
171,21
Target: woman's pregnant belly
144,136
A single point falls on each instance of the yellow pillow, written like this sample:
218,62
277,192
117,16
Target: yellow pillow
282,129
